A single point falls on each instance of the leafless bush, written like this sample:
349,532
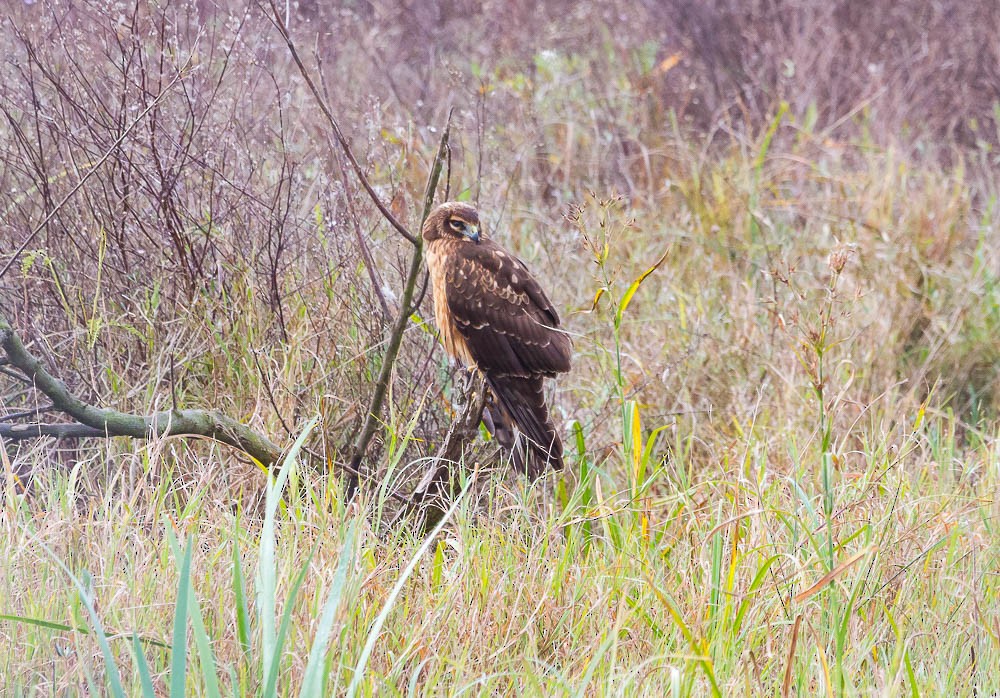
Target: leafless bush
198,201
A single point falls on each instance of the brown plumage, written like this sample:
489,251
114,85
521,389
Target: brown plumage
493,315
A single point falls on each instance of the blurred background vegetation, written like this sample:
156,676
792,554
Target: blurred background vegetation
751,139
821,175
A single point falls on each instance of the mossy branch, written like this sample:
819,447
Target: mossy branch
101,422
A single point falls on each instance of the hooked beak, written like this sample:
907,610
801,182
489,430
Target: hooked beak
472,232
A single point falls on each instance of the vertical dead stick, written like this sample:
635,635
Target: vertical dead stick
439,479
405,310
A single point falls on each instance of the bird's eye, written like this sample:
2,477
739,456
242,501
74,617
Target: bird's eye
456,224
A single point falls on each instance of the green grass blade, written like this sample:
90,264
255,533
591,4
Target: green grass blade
208,666
758,164
142,667
749,595
240,594
205,655
594,663
359,668
63,627
111,668
270,686
267,572
312,682
51,625
911,677
697,645
178,653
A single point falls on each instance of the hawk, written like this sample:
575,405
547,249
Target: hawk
493,316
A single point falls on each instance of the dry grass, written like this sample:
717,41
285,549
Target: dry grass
805,391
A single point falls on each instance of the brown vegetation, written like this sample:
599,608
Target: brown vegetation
810,378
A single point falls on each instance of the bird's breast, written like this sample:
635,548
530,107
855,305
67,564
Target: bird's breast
454,342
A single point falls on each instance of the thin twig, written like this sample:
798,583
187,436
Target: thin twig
15,375
423,291
83,180
402,499
383,209
27,413
270,395
366,255
372,419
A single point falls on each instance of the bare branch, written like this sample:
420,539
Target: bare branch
270,395
96,166
13,417
406,306
366,254
19,432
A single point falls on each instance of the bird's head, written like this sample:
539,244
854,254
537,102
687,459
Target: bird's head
455,220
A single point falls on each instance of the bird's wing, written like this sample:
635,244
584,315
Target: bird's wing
508,323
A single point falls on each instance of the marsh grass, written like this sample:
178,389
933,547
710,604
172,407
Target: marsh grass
782,437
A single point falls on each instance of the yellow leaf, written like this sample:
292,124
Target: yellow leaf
627,298
669,62
636,441
597,297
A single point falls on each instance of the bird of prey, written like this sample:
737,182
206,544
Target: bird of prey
493,316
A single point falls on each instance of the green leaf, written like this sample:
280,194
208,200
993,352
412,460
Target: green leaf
204,645
267,572
437,566
240,593
142,666
758,164
111,668
312,681
373,633
270,686
208,666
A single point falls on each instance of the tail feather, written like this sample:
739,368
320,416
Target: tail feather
500,425
522,402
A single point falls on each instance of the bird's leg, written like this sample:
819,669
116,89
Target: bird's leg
466,384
